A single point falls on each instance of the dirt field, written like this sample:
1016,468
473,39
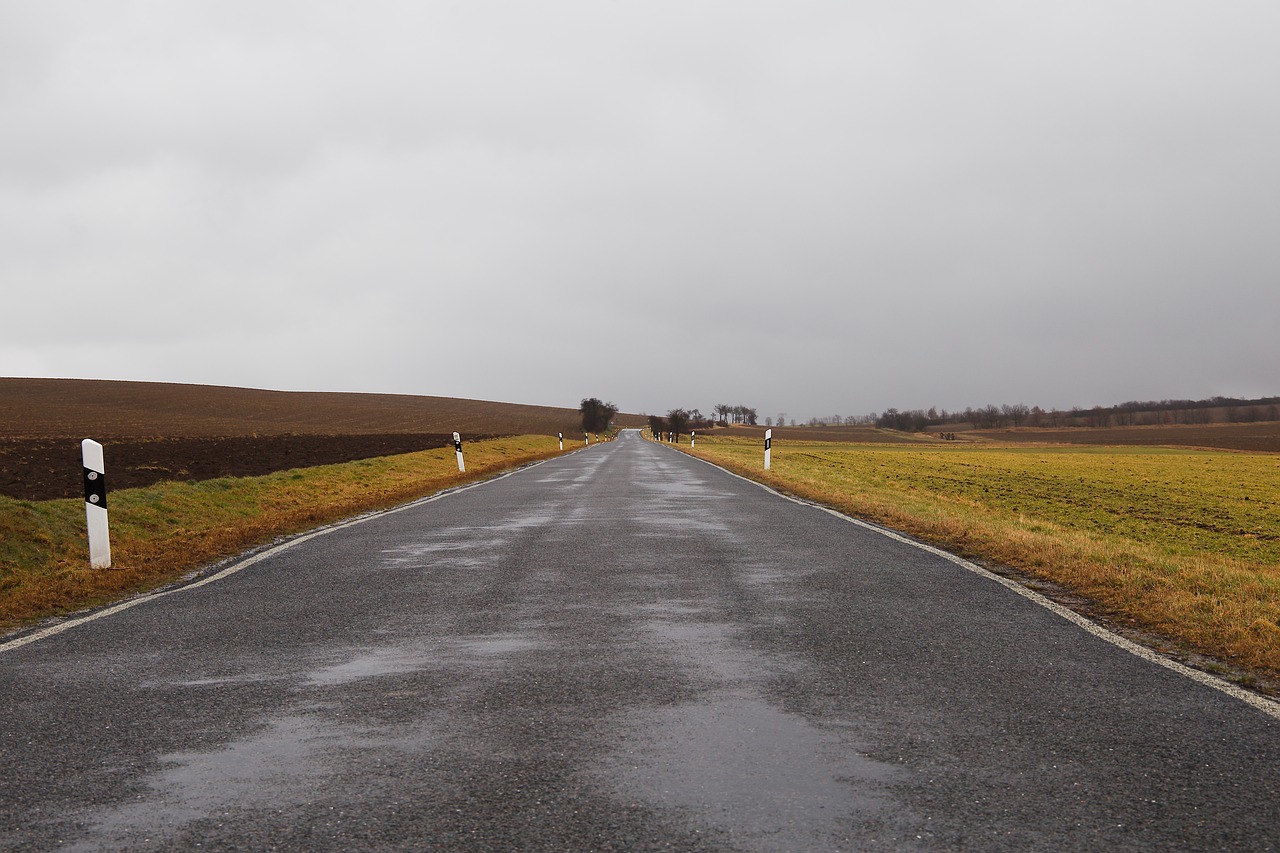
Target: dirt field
83,408
157,431
1256,437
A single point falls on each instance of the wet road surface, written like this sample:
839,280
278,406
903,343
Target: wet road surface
622,649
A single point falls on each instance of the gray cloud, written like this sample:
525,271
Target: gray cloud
811,207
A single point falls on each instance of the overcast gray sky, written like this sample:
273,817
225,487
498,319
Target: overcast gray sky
809,207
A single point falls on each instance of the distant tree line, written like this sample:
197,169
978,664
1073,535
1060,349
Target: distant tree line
1133,413
678,422
681,421
832,420
727,414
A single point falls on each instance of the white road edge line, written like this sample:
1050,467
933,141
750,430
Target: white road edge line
74,622
1261,703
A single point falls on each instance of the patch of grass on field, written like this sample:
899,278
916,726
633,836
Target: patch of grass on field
161,532
1182,542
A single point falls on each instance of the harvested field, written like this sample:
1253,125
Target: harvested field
1263,437
1181,543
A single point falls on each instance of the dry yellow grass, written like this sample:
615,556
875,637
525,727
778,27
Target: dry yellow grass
1182,543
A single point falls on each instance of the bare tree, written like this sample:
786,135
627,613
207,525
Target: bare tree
596,414
1017,413
678,422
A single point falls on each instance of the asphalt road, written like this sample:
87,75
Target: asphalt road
622,649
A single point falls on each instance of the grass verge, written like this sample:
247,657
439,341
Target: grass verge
162,532
1184,544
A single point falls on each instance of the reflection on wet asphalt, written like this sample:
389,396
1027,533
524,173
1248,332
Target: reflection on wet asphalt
623,649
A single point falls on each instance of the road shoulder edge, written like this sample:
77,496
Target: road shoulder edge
234,565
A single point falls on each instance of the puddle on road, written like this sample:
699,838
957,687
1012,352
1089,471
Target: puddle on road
592,515
220,681
470,545
375,662
289,762
369,663
498,645
705,647
674,523
673,607
666,488
768,779
538,518
450,551
734,762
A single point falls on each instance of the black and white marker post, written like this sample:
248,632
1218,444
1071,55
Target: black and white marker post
457,446
560,436
95,504
768,447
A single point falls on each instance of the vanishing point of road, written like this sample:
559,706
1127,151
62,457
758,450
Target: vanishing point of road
620,649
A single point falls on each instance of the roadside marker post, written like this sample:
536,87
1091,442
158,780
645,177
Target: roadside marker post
768,447
693,439
457,447
560,436
95,504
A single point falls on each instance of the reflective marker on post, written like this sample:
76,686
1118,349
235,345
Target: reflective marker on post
693,438
560,436
457,446
95,504
768,445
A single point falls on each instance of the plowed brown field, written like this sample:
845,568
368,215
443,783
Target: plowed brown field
42,469
156,431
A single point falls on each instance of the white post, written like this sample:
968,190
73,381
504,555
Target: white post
95,504
457,446
768,445
560,436
586,439
693,438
